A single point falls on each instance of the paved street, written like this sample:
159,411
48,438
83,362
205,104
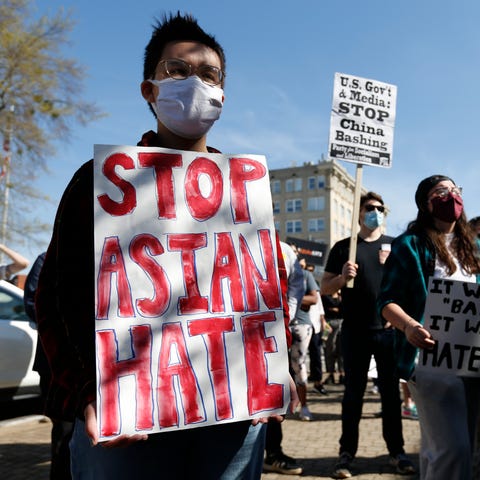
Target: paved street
315,444
24,443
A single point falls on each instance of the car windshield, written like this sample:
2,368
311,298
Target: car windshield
11,307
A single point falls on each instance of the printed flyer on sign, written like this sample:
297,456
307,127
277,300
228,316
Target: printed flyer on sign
362,120
189,321
452,316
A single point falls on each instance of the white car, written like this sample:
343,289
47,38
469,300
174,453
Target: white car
18,343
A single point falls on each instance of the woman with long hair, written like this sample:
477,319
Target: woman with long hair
439,243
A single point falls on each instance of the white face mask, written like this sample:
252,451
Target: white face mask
187,107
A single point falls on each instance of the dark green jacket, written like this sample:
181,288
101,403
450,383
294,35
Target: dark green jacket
405,282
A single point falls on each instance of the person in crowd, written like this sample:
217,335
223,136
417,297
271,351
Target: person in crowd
317,317
332,305
61,430
184,76
302,330
275,459
409,409
18,262
439,244
475,226
364,334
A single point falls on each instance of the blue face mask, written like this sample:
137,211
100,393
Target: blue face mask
373,219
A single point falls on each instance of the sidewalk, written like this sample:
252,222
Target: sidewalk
315,444
25,448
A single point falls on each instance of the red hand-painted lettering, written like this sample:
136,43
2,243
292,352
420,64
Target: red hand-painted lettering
142,248
163,164
112,267
129,202
268,286
262,396
110,371
180,368
203,207
193,302
213,330
226,268
243,170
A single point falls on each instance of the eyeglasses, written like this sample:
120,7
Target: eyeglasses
371,208
442,192
180,70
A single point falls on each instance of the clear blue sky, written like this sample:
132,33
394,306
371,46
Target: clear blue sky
281,61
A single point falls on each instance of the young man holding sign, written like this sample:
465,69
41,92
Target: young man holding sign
184,72
437,245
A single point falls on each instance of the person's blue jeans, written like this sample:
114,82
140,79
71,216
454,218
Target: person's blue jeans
357,348
227,452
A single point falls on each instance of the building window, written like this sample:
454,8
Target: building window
276,186
294,226
293,185
321,181
316,203
316,225
294,205
276,207
277,226
312,183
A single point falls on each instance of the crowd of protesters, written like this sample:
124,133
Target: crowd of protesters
369,307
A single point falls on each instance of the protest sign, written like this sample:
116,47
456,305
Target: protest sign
362,120
361,131
452,316
189,320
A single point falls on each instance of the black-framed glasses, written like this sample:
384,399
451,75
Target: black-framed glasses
180,70
371,208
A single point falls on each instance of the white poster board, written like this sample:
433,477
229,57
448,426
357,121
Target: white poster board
452,316
362,120
189,321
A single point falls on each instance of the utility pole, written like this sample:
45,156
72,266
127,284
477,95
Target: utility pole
5,172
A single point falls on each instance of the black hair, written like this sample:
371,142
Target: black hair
173,28
474,222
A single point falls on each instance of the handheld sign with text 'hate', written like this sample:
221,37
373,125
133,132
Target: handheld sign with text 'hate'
189,321
452,316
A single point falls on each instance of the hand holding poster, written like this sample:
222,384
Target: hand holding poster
362,120
189,319
452,316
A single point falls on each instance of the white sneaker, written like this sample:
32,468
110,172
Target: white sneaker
305,414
